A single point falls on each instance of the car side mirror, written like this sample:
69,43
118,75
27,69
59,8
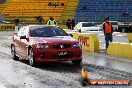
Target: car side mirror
23,37
71,35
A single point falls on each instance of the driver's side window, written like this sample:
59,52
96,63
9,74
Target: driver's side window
20,32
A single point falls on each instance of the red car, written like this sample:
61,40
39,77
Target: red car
41,43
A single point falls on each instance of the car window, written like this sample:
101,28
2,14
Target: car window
114,23
88,24
26,30
47,32
20,32
23,31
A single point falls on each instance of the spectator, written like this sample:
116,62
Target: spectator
51,21
84,7
16,21
62,4
108,30
68,23
49,4
39,19
16,25
73,23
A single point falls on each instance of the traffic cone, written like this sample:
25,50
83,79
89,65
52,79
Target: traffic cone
85,80
84,73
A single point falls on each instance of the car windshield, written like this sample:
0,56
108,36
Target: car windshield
88,24
47,31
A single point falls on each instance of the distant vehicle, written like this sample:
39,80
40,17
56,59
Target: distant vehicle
87,26
120,27
41,43
6,22
114,25
125,28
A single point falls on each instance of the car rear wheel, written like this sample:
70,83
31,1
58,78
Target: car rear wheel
76,62
31,58
13,53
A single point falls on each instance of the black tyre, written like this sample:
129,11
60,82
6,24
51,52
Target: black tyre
31,58
13,53
76,62
116,29
123,30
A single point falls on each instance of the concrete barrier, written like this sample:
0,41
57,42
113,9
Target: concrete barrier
128,50
120,49
129,36
89,41
4,27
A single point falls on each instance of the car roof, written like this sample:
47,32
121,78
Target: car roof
86,22
112,21
43,25
29,26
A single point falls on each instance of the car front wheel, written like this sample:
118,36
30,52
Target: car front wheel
76,62
123,30
31,58
13,53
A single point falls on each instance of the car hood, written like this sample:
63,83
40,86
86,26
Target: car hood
54,39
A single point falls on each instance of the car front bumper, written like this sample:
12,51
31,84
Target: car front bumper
42,55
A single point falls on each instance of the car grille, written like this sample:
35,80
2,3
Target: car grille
61,56
61,46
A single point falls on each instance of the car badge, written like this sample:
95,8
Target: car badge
61,46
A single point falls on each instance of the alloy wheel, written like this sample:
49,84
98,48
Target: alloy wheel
31,58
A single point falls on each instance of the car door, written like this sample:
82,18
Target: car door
17,41
24,42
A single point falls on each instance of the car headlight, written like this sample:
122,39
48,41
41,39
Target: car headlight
42,46
77,45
